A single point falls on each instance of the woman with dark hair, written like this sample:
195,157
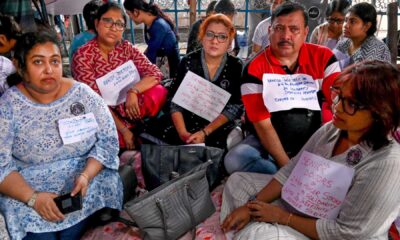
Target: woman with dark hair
57,137
214,64
360,44
344,184
193,43
89,14
160,34
9,34
118,71
329,33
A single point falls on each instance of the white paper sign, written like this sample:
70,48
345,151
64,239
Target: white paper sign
285,92
317,187
201,97
114,85
77,128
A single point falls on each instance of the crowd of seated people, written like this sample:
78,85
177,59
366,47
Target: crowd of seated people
337,103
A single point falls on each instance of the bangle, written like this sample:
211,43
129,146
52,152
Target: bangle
134,90
204,132
288,220
85,176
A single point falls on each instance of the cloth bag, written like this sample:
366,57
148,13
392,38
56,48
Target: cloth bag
175,207
161,163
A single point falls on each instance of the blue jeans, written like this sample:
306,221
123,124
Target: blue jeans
71,233
250,156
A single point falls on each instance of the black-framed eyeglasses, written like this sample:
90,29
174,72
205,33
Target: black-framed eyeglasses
349,106
338,21
109,23
220,37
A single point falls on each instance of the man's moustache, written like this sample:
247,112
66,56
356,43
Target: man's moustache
284,43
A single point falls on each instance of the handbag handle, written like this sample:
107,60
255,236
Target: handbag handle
159,204
187,192
189,209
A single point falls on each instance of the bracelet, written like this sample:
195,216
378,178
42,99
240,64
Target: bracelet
85,176
288,220
204,132
134,90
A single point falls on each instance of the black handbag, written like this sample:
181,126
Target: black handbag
161,163
129,183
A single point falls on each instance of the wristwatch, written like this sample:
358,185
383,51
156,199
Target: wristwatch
32,200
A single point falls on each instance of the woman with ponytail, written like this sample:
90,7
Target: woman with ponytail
160,33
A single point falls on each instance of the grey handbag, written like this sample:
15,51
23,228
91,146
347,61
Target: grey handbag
174,208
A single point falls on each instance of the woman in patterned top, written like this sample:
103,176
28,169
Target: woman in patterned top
57,137
359,43
329,33
107,52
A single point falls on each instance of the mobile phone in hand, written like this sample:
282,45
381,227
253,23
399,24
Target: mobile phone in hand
67,204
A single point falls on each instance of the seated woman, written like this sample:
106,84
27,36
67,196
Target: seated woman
359,43
214,64
44,151
160,34
366,103
109,52
328,33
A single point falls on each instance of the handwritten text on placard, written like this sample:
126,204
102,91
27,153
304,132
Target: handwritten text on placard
201,97
114,85
77,128
285,92
317,187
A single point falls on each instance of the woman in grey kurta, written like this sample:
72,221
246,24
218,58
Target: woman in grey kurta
366,102
37,161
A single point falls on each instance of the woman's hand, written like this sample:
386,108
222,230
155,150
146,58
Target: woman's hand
132,106
236,220
265,212
81,185
184,135
47,208
197,137
129,138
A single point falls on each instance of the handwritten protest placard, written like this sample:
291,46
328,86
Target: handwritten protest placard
317,187
77,128
114,85
201,97
285,92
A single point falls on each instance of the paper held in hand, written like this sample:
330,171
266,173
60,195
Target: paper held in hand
317,187
285,92
114,85
201,97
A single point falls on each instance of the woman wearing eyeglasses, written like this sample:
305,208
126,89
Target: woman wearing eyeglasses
329,33
360,43
108,53
214,64
160,34
347,182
